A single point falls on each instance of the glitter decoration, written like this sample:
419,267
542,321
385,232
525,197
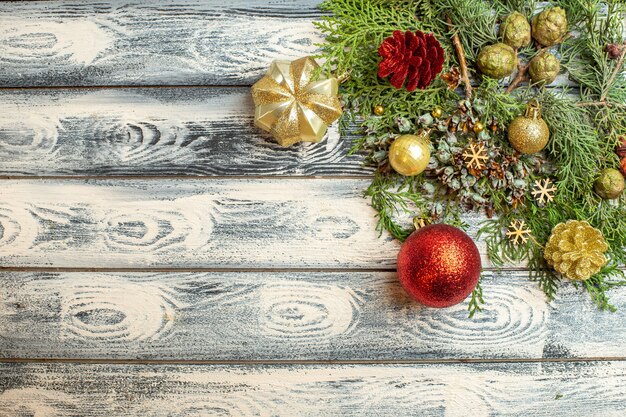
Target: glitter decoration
291,105
518,233
412,57
543,191
439,265
529,133
576,250
409,154
475,155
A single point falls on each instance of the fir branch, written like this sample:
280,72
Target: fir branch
477,300
618,68
584,130
598,286
393,196
573,146
545,277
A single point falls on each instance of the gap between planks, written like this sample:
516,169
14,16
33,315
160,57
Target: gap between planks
243,270
201,177
307,362
119,87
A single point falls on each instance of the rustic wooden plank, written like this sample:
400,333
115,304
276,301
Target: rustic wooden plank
133,42
162,131
219,223
479,390
147,42
291,316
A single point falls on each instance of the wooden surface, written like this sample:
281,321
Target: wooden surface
161,256
150,42
348,316
152,131
518,389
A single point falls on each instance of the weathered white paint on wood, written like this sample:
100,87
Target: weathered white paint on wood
131,42
218,223
291,316
288,223
451,390
164,131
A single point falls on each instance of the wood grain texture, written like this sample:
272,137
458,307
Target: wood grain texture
291,316
132,42
164,131
518,389
218,223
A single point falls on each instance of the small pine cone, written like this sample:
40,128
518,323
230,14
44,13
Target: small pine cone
549,26
613,50
576,250
416,58
623,166
620,149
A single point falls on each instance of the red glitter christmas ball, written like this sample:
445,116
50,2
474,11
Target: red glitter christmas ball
439,265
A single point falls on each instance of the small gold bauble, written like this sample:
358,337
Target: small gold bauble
529,133
409,154
478,127
437,112
379,110
576,250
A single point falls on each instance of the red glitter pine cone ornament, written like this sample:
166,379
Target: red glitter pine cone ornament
416,58
439,265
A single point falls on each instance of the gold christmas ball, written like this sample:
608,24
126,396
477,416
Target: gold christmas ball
379,110
529,133
610,184
409,154
576,250
478,127
437,112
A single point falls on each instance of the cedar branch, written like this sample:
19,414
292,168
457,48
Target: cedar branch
521,76
456,41
599,104
618,67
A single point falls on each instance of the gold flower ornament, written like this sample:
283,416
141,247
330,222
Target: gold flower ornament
292,105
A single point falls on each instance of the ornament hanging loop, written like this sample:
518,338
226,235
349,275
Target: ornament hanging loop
345,76
533,109
419,222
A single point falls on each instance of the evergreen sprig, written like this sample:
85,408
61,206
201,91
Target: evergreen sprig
586,119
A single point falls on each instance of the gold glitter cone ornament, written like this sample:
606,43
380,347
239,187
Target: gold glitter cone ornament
576,250
291,105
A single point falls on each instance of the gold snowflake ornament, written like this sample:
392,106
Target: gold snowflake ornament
518,233
543,191
475,156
